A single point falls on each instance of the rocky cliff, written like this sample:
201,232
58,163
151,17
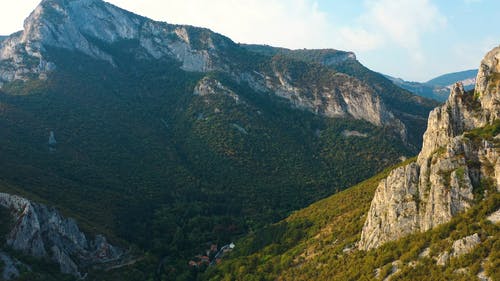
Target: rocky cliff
42,232
459,159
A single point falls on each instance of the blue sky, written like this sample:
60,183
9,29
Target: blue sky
412,39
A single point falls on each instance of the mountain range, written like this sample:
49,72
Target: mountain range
130,146
438,88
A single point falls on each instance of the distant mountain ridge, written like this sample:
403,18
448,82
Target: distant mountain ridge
452,78
438,88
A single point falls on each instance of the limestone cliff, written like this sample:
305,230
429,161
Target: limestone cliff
460,153
340,96
42,232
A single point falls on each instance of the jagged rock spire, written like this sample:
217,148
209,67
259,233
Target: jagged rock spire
421,195
488,86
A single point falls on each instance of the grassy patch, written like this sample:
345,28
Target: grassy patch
487,132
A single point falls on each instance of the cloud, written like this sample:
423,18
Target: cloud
290,23
399,22
12,15
359,39
469,54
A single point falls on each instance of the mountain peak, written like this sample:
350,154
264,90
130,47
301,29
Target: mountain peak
63,22
85,26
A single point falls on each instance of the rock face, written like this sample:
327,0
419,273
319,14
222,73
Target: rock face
339,97
488,86
207,87
455,158
465,245
495,217
335,95
41,231
459,248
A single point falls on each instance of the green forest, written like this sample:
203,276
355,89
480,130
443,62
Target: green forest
164,172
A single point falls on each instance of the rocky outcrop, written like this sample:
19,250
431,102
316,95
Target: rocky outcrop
208,87
341,96
459,248
329,94
465,245
456,157
488,86
41,231
494,217
399,189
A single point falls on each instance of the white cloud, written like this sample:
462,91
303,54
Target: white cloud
469,54
404,21
290,23
359,39
12,15
399,22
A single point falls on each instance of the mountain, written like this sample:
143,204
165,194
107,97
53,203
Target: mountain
73,26
167,137
437,93
467,78
404,105
432,217
439,87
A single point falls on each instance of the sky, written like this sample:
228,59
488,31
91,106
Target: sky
412,39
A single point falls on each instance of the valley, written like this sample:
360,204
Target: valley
142,145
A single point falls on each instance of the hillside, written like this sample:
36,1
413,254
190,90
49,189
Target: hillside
319,243
433,217
168,137
407,107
